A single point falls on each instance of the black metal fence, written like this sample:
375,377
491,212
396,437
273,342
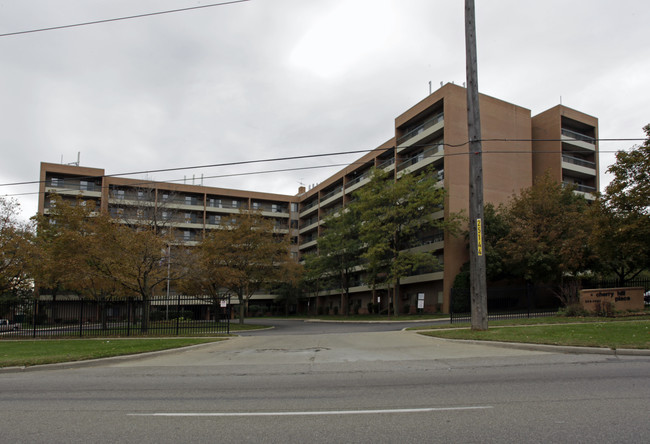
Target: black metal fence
526,301
506,303
614,283
159,316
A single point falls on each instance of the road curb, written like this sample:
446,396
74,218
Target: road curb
555,348
99,361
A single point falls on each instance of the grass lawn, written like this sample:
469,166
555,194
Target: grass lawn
45,351
624,334
540,320
363,317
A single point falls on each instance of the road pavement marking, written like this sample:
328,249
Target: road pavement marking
319,413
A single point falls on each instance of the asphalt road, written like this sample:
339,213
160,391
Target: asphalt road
366,386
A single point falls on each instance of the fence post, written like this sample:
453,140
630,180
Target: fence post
451,305
228,308
81,317
34,318
178,313
128,317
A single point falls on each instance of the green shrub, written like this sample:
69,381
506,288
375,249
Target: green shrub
573,310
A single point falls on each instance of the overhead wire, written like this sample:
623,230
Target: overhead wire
339,153
116,19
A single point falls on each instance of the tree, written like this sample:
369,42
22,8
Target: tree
206,278
495,228
548,236
339,251
629,190
15,255
289,290
137,259
61,243
250,254
395,215
622,215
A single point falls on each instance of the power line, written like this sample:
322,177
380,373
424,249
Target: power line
340,153
130,17
309,156
147,182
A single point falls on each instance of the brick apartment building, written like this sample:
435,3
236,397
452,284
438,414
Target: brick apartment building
517,148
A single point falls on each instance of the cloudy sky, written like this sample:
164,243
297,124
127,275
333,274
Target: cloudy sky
278,78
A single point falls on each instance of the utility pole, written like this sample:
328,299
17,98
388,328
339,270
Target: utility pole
478,286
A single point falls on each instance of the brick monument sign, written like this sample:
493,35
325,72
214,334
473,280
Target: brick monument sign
621,299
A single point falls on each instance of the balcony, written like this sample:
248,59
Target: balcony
274,209
331,196
422,159
73,187
357,182
311,206
388,163
421,131
587,191
579,167
578,140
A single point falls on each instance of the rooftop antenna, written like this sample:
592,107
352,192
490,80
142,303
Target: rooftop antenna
73,163
201,179
429,87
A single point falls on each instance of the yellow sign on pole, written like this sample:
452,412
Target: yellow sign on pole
479,238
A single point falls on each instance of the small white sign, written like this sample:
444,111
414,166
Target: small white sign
420,304
420,296
223,303
378,299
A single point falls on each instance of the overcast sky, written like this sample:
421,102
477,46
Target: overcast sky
275,78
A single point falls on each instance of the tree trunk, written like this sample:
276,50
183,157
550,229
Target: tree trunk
242,307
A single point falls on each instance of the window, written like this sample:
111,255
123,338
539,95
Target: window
165,196
294,207
166,215
215,219
56,182
140,195
188,218
84,185
216,203
256,205
275,208
119,194
235,204
187,235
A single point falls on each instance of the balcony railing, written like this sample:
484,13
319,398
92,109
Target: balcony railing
423,126
429,152
334,192
309,205
579,187
578,136
271,208
357,179
308,222
70,185
386,163
227,204
579,162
